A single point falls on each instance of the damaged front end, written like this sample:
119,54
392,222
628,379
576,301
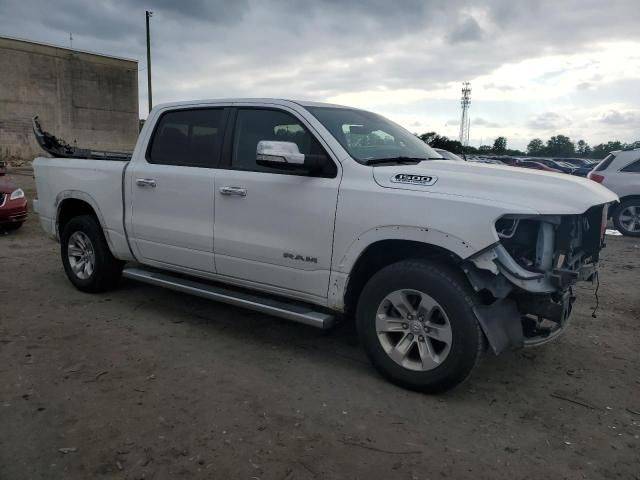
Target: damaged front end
529,274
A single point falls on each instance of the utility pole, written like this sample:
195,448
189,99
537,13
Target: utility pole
465,125
468,130
148,15
70,40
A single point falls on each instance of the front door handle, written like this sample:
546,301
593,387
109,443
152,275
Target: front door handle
145,182
240,191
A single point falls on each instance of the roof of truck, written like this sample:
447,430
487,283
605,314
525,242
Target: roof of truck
277,101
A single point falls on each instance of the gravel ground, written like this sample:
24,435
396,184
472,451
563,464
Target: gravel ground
147,383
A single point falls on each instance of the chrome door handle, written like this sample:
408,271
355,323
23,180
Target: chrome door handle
240,191
145,182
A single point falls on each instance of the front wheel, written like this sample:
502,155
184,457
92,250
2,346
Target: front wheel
416,322
626,218
86,257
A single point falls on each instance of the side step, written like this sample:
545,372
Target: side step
295,311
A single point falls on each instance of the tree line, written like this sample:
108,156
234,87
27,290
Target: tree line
556,146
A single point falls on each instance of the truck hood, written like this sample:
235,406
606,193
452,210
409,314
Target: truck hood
525,189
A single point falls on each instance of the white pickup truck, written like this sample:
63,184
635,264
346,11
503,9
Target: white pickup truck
310,212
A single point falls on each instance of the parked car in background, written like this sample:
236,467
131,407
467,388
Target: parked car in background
584,170
576,162
447,155
620,172
536,166
13,205
556,164
508,160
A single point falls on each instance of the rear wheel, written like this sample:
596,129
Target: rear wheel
86,257
626,218
416,322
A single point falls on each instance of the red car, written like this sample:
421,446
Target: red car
13,205
536,166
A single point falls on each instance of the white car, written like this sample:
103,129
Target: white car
311,212
620,172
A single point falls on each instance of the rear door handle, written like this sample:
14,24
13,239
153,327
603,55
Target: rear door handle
240,191
145,182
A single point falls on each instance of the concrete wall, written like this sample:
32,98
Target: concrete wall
89,98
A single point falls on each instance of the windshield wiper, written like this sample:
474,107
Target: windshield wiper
408,160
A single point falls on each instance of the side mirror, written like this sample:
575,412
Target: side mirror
287,156
278,154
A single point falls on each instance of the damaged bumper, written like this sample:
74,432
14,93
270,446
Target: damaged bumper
526,279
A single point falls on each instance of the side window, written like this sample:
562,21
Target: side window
254,125
356,136
604,164
188,137
633,167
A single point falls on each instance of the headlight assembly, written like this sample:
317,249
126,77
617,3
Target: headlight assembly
16,194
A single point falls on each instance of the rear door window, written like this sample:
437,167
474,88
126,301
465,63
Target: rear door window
190,138
633,167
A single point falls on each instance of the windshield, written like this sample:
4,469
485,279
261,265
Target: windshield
447,155
368,136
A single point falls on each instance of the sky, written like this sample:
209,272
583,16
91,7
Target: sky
537,67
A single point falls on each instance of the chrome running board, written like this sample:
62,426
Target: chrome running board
295,311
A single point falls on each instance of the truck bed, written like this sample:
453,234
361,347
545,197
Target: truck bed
60,179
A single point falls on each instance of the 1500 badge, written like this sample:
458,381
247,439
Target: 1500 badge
425,180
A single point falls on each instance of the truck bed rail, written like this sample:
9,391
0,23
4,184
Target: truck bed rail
59,148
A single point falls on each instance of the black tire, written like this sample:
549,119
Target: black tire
618,213
449,289
10,227
107,269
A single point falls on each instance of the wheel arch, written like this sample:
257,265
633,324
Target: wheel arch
382,253
73,203
629,197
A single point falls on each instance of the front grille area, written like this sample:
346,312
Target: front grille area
3,198
579,237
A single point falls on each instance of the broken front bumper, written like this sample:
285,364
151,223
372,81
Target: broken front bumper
526,279
508,328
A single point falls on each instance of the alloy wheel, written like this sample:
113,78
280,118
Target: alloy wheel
630,218
414,330
81,255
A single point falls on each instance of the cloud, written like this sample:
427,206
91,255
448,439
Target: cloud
548,121
615,117
585,86
479,121
405,59
502,88
466,31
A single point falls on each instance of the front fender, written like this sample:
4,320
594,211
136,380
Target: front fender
430,236
341,270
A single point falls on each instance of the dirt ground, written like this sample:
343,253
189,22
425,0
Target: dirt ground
146,383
